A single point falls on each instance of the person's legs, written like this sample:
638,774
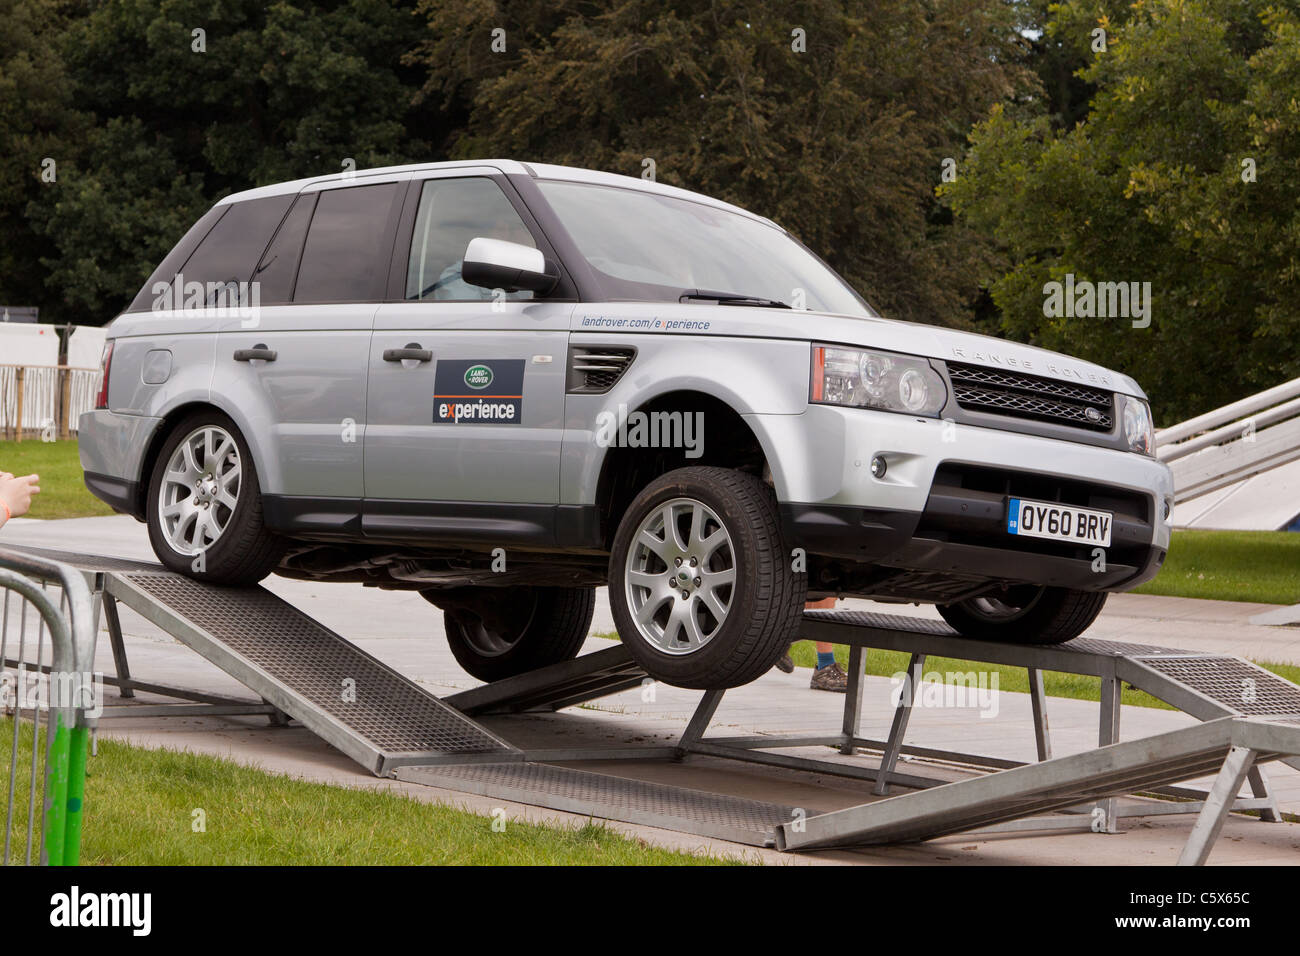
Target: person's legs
827,675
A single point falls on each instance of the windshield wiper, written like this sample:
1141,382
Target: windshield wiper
730,298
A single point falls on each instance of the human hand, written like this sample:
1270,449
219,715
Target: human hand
16,494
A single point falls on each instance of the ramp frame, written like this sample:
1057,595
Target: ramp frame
1240,730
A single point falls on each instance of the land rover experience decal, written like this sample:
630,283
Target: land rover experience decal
490,391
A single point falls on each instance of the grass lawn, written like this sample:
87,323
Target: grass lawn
1231,566
881,663
63,493
141,810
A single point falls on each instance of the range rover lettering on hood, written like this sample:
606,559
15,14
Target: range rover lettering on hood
989,357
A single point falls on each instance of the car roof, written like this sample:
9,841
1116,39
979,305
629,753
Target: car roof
546,171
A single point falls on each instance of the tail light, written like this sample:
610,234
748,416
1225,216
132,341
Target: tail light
105,364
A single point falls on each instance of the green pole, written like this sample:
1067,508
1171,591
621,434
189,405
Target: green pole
56,794
79,746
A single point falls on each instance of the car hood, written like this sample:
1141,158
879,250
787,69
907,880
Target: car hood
892,335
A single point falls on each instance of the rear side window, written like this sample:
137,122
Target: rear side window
275,273
172,262
230,251
344,259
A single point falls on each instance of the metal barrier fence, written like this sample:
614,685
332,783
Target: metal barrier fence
45,399
46,687
1233,443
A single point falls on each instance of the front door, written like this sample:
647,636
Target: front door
466,388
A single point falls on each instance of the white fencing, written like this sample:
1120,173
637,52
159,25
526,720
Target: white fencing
53,397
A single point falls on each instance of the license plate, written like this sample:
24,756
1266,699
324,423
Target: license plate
1057,522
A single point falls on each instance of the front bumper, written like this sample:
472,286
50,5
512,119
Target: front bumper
940,508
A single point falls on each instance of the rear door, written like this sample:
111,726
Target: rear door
463,440
293,371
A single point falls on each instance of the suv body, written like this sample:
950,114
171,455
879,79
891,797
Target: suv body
320,381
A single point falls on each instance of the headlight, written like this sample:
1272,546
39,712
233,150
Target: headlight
1137,425
865,378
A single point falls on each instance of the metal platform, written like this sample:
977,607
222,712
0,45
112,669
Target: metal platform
394,727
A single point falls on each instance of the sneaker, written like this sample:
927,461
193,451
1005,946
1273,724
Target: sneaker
832,677
786,665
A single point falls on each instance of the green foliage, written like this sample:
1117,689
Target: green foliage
1151,187
35,117
151,130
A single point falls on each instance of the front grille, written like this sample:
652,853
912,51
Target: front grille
594,370
996,392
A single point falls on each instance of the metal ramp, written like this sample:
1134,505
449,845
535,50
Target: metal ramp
354,701
394,727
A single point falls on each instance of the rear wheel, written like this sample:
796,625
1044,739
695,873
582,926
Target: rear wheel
701,581
1026,614
501,632
204,506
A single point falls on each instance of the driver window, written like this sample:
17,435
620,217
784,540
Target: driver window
451,213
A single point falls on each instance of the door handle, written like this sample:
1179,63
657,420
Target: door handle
258,352
411,353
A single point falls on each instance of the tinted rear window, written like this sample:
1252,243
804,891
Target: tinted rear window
230,252
171,263
345,258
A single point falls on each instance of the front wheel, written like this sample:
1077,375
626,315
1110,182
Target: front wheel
1026,614
701,583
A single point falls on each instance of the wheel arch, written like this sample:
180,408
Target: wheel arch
624,471
170,419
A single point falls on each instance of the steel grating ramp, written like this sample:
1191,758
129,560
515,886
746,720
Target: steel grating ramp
1052,785
556,686
723,817
354,701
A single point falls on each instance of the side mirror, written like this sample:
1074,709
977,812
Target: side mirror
498,264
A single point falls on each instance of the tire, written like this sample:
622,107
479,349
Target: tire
720,635
501,632
1025,614
236,549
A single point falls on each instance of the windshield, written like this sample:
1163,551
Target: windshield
651,247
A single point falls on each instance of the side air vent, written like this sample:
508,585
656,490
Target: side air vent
593,369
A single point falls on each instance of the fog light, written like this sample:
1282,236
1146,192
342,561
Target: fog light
1168,508
879,466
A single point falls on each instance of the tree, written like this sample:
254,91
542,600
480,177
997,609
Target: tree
184,101
1182,174
833,118
35,116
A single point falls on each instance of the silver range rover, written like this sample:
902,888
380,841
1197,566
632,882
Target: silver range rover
504,384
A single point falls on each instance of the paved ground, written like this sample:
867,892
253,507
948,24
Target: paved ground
401,629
